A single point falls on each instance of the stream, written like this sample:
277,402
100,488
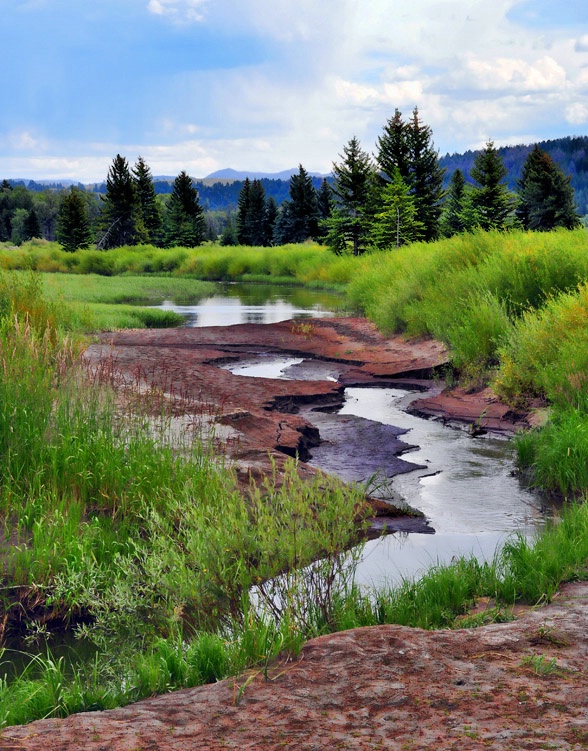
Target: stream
465,486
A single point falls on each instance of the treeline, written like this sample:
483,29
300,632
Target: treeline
129,213
569,153
398,196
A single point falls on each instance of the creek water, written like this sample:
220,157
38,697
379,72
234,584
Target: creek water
256,303
467,489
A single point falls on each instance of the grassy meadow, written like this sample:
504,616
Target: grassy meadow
148,550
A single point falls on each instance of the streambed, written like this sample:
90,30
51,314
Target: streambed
465,486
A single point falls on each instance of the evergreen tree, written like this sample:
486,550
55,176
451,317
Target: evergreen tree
396,222
257,222
490,197
5,211
244,214
408,148
32,226
353,183
425,177
185,225
393,148
299,217
271,216
149,206
229,233
453,220
73,225
121,221
325,204
546,198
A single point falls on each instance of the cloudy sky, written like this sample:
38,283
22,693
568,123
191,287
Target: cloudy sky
267,84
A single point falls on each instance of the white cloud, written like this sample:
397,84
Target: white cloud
516,75
178,10
577,113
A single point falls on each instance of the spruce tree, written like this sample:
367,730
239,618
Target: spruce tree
396,222
184,225
452,220
353,183
271,216
425,177
299,216
490,198
257,214
393,148
244,214
73,226
149,207
546,198
32,226
121,222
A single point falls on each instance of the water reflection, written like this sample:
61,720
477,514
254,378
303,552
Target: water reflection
257,303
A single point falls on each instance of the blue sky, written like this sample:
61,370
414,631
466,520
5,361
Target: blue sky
267,84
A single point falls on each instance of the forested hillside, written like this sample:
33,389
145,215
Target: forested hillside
570,153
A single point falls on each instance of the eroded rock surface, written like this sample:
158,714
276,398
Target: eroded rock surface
506,687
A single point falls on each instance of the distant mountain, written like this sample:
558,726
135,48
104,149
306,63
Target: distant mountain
232,174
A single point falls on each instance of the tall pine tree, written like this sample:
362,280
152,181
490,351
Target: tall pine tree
299,216
350,218
491,200
452,220
121,221
73,226
546,198
184,225
149,207
408,148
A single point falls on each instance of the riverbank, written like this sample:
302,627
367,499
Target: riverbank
506,685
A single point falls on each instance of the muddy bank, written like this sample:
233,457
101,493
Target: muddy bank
264,420
517,685
260,418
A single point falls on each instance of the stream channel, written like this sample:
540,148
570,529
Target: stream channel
465,486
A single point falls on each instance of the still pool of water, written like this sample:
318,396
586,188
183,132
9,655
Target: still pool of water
257,303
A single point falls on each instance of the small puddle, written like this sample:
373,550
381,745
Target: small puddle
465,486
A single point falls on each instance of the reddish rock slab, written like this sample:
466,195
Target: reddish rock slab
509,686
480,409
185,364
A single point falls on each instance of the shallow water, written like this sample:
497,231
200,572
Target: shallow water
468,492
257,303
467,489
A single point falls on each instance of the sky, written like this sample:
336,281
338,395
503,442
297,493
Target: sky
266,85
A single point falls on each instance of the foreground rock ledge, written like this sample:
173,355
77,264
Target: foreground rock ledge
517,685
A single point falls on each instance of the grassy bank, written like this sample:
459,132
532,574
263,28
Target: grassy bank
116,528
310,264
